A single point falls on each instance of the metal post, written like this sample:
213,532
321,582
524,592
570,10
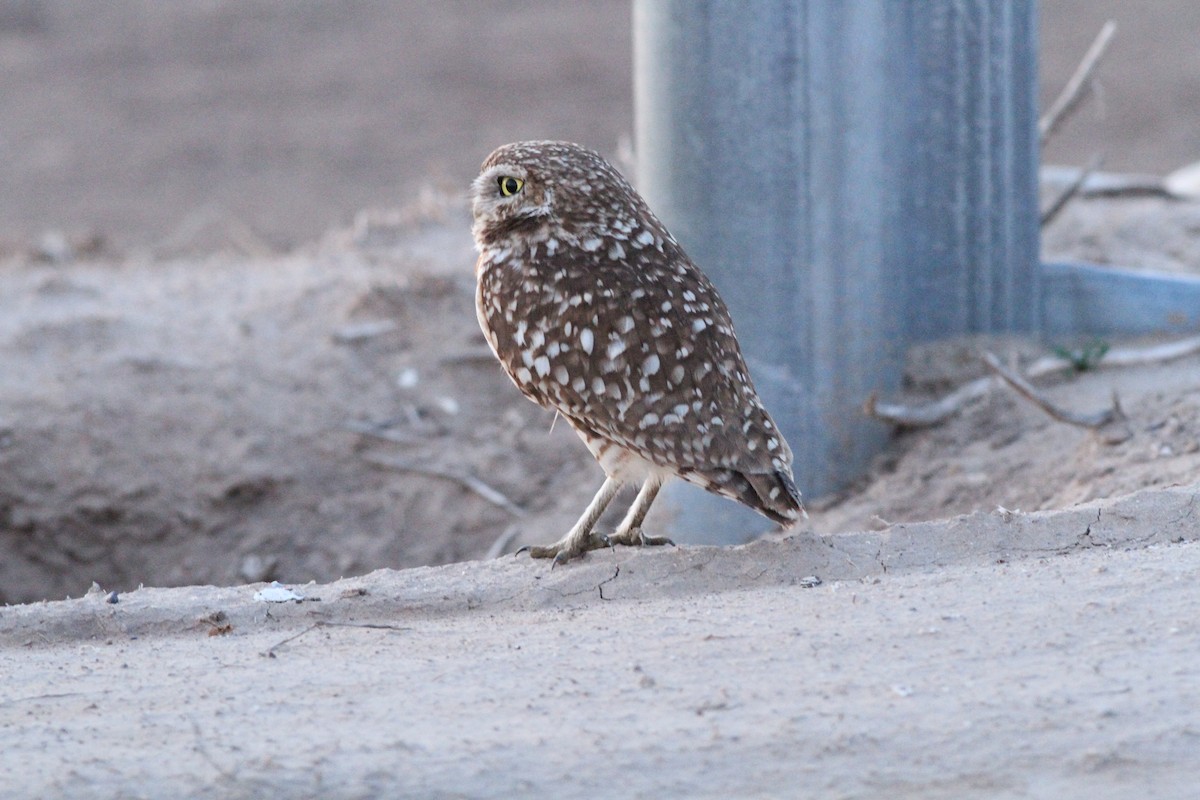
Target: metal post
854,176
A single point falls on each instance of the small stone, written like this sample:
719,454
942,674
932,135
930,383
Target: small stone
408,378
277,593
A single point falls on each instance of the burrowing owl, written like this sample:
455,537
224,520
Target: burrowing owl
595,311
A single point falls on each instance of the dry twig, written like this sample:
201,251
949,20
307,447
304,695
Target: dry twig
1105,184
1155,354
469,482
930,414
1076,87
1024,388
377,431
1072,189
500,546
270,651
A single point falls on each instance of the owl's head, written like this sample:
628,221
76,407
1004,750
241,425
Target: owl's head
526,185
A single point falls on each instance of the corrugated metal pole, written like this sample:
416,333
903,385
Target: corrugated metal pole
854,176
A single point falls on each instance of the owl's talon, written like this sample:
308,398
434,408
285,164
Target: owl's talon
636,537
559,552
599,541
548,551
564,550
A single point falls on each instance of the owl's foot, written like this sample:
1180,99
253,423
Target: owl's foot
636,537
567,548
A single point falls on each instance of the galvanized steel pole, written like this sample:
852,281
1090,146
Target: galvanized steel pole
855,177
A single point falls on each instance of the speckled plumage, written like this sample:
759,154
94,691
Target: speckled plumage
595,311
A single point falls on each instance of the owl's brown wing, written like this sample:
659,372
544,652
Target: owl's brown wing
638,349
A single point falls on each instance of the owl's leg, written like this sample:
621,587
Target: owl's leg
580,538
630,530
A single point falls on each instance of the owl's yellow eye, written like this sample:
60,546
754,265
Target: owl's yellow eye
509,185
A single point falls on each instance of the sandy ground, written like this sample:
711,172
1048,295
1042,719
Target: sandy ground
197,389
1002,655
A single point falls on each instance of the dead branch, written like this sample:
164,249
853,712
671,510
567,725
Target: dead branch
1076,87
1024,388
1121,357
377,431
1072,189
500,546
1106,184
929,414
467,481
270,651
1154,354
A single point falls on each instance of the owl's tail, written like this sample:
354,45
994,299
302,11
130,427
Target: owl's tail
778,498
772,494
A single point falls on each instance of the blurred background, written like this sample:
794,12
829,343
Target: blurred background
136,121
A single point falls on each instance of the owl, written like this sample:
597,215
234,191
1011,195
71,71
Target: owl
595,311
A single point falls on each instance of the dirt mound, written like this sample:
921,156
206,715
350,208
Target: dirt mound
216,421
